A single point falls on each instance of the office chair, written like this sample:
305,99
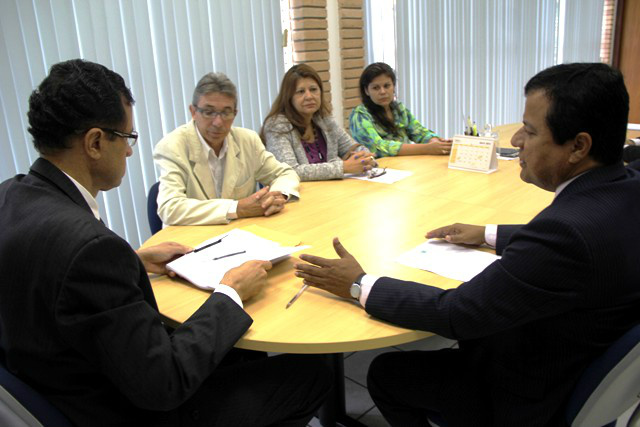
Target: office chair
155,223
607,389
22,406
609,386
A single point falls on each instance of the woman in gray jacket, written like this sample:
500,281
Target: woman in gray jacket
300,131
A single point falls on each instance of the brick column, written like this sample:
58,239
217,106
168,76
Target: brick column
309,34
352,52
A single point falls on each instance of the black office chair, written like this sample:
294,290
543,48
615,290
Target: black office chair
606,389
22,406
155,223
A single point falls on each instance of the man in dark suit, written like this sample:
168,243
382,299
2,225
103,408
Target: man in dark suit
78,319
565,288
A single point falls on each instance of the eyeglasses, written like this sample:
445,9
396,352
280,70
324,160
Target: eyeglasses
374,173
210,114
131,138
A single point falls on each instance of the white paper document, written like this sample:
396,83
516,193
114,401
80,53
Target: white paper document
206,267
385,176
633,126
448,260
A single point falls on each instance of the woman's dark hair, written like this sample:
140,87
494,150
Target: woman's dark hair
76,95
283,104
586,97
368,75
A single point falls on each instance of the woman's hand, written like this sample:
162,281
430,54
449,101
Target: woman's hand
359,162
438,146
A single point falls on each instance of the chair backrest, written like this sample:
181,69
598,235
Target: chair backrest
609,386
20,405
155,223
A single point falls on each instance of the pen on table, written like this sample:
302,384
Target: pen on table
210,244
228,255
296,296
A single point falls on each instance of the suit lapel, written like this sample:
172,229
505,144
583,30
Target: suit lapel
46,171
231,166
198,158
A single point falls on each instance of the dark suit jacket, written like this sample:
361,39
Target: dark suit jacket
78,319
567,286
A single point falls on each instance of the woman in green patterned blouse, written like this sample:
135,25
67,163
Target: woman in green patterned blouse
385,126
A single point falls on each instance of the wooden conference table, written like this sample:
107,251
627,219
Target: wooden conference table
376,222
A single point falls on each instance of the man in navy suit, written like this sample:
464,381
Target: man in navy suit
78,319
565,288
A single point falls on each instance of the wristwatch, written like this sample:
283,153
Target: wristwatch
356,287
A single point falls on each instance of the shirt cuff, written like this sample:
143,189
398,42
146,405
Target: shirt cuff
232,213
366,283
491,234
290,197
230,292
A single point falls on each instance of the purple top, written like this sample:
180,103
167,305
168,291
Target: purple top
317,150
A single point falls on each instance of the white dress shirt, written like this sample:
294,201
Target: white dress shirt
216,166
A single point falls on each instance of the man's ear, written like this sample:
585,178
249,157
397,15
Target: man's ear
192,109
581,147
93,143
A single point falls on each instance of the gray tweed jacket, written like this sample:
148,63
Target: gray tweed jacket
284,142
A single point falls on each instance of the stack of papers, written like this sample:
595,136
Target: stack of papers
206,267
447,259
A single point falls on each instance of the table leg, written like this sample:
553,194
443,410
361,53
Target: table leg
334,410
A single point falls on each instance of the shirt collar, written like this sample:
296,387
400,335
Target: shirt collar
207,148
91,201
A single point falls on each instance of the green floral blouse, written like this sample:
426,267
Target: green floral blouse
365,130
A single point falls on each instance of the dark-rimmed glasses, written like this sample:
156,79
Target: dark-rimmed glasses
131,138
210,114
376,172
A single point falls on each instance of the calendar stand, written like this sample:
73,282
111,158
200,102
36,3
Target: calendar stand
474,153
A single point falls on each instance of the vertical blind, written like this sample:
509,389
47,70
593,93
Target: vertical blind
161,48
462,58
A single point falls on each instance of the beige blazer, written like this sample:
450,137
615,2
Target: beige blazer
187,194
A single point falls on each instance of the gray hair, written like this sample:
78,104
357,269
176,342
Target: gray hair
215,82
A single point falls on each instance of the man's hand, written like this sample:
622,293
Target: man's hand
262,202
333,275
155,258
247,279
459,233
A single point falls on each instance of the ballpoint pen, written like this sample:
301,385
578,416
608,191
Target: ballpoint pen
210,244
228,255
296,296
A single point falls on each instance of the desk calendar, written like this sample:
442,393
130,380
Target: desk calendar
473,153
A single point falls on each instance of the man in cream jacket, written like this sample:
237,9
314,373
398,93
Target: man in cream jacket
209,169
